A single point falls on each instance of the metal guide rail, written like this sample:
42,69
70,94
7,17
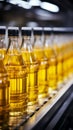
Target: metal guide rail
44,115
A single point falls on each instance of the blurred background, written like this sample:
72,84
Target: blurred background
31,13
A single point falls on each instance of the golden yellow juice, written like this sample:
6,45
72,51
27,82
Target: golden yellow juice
52,69
42,74
65,62
2,52
32,85
4,88
70,58
4,96
17,74
59,65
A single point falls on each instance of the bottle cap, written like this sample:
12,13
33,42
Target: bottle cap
37,31
2,30
47,30
13,31
26,31
63,30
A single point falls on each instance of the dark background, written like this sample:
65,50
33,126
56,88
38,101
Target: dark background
12,15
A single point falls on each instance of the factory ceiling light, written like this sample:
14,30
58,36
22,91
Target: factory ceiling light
34,2
49,7
20,3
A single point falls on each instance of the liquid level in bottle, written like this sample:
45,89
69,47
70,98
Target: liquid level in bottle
42,75
17,75
32,84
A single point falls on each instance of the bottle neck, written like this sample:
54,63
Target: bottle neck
26,44
49,40
13,44
38,42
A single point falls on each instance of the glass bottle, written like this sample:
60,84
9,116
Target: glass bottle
17,73
4,86
65,50
58,48
69,53
38,50
32,64
65,57
51,55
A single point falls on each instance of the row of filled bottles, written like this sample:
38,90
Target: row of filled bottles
34,65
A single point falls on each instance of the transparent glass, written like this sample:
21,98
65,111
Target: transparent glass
59,51
4,86
66,57
52,59
2,45
32,65
69,54
17,73
64,50
38,50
